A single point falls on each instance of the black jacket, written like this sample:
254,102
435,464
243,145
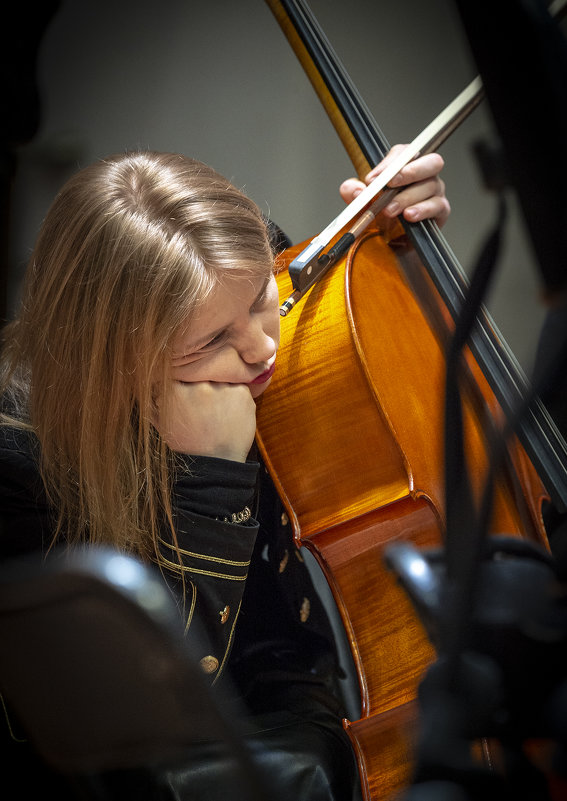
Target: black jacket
247,584
261,622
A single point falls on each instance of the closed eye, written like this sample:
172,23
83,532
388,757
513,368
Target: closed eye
218,338
194,354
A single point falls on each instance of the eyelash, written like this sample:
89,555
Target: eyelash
215,340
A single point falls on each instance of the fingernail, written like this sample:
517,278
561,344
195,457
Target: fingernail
393,208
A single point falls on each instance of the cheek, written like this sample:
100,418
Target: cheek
272,327
185,373
276,330
208,368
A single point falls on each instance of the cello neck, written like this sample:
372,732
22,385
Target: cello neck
366,145
357,129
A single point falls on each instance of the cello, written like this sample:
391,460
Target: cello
351,428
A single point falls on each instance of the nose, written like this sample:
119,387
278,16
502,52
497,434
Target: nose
255,345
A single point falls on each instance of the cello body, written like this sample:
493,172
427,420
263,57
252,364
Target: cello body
351,431
352,428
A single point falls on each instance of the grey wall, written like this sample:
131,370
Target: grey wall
219,82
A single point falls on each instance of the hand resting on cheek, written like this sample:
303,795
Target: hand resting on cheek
208,418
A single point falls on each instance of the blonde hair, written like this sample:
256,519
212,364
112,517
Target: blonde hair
128,249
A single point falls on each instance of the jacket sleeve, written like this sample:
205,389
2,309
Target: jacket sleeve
210,565
215,556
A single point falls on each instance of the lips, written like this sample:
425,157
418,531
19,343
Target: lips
265,376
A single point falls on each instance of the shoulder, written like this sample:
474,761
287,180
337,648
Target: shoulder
19,453
20,478
25,519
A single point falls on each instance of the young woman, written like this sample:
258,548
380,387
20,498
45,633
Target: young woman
149,325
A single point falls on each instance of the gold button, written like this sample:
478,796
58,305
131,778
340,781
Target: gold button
305,610
224,614
285,519
283,562
209,664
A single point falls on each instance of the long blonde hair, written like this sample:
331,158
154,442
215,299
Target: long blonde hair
129,248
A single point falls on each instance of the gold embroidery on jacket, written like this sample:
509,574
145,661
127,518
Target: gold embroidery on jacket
193,605
305,610
228,646
189,569
206,557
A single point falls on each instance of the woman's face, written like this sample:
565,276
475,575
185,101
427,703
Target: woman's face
233,337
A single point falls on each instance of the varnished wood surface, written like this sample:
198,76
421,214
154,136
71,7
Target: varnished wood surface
351,429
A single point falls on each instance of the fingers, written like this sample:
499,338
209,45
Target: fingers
350,188
208,419
421,201
422,192
421,168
